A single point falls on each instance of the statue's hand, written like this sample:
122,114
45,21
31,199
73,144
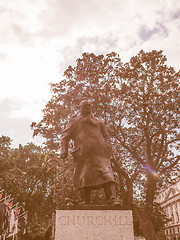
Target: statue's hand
63,155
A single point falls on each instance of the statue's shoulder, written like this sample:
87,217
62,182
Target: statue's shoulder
96,117
100,120
75,117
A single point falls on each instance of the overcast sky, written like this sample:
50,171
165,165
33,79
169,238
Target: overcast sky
39,39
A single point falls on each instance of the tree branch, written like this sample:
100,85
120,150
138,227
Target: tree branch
170,166
139,143
129,183
160,149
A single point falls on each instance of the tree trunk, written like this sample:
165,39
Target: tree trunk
122,173
146,225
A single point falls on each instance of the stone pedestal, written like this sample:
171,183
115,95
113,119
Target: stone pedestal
94,223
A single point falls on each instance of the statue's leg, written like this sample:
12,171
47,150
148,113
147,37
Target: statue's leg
110,192
85,194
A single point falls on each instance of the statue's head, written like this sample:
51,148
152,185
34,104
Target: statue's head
85,107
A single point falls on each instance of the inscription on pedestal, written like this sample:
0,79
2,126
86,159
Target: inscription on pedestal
94,225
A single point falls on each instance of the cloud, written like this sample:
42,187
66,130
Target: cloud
19,21
17,128
8,107
176,14
39,39
28,73
28,22
82,18
73,27
17,108
4,56
145,34
61,23
99,44
21,34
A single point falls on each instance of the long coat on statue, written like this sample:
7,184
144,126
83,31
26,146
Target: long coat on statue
91,151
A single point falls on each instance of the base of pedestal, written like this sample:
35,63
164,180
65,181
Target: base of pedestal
93,223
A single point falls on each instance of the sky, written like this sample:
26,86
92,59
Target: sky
39,39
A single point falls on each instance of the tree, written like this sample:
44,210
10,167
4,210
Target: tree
24,175
138,101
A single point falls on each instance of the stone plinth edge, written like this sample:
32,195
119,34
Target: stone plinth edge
93,207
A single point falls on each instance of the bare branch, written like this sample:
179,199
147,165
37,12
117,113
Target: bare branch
174,140
129,182
139,143
160,149
135,174
155,134
170,166
119,127
164,151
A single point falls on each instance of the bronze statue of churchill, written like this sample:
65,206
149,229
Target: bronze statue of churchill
91,153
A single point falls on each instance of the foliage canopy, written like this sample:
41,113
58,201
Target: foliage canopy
139,102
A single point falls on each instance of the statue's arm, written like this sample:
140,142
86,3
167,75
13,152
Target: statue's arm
65,138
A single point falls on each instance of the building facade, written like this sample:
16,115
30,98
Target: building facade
169,199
